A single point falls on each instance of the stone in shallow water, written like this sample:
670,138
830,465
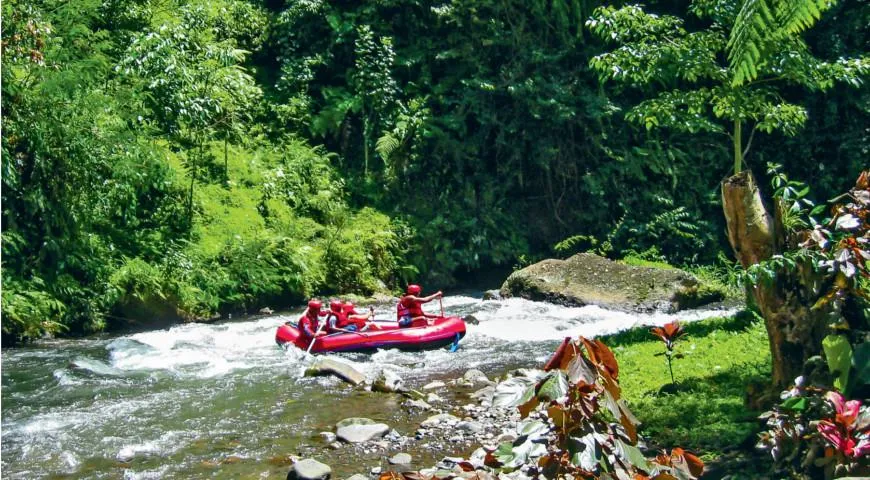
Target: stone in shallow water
434,385
388,382
434,398
358,430
309,469
441,418
326,366
473,427
475,376
358,476
400,459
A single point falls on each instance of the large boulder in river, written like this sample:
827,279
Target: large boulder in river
587,279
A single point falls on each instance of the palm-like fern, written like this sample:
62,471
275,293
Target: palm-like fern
760,23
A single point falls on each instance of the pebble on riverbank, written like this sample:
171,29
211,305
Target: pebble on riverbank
479,423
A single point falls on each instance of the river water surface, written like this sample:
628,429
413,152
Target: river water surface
222,400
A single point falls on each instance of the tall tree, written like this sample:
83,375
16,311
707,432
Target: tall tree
198,88
696,93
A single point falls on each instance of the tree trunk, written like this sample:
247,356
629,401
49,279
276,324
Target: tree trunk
795,330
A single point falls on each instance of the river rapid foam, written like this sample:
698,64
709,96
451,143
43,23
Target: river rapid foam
219,400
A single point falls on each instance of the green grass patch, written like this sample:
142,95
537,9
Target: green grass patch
640,262
706,412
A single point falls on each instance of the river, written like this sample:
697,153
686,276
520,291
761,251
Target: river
222,400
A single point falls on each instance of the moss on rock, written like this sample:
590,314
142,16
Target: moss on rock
588,279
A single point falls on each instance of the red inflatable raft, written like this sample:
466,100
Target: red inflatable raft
445,331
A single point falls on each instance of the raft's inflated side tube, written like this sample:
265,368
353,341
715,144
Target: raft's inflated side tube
442,333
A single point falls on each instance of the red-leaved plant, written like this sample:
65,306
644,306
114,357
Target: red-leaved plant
575,425
847,430
669,333
816,431
591,441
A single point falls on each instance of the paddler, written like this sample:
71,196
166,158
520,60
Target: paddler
309,322
410,307
359,320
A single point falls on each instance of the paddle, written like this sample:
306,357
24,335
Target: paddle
319,327
442,306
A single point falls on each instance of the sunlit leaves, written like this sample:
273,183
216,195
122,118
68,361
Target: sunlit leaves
760,24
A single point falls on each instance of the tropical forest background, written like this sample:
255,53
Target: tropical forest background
188,159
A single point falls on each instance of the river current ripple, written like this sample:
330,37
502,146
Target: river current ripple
222,400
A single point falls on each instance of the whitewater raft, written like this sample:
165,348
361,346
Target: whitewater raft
445,331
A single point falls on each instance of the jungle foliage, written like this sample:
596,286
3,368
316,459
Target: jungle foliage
189,158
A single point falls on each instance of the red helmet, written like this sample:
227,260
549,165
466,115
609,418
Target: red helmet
335,305
315,304
348,306
414,289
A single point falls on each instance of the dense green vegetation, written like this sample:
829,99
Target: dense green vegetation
188,158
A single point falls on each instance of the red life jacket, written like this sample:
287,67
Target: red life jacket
340,319
413,310
307,325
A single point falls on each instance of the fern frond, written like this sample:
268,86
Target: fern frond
386,145
797,16
760,23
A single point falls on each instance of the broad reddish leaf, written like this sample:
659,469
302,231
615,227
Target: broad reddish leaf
413,476
572,351
629,423
489,461
696,465
601,356
556,359
580,369
683,462
558,415
466,466
527,408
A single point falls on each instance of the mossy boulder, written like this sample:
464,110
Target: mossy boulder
588,279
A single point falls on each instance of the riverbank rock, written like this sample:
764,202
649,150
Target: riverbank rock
440,419
358,430
388,382
400,459
491,295
588,279
328,366
309,469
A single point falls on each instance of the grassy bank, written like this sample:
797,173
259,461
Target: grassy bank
706,412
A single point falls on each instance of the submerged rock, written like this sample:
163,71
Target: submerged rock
434,385
388,382
491,295
587,279
329,366
412,404
475,376
309,469
358,430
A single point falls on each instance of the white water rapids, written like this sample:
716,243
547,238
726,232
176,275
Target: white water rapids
176,403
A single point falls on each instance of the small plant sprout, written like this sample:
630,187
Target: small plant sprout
669,334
